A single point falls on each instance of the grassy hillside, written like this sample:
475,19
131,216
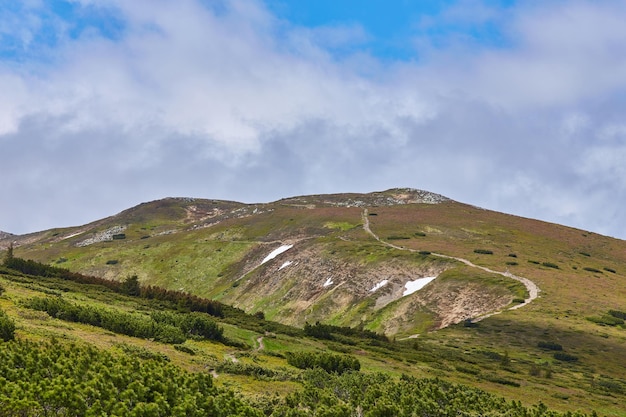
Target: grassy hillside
565,348
252,364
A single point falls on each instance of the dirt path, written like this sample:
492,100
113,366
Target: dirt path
531,287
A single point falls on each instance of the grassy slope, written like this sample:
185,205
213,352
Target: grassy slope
569,294
458,354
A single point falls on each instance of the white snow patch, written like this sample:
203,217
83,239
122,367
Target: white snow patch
276,252
285,265
328,282
379,285
418,284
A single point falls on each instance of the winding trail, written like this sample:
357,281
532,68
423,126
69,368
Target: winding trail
531,287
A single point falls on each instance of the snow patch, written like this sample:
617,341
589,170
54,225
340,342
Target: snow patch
328,282
379,285
418,284
276,252
285,265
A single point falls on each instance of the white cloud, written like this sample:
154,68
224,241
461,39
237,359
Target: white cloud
229,101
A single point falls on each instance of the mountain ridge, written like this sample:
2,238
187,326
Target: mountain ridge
216,249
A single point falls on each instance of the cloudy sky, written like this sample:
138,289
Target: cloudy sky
515,106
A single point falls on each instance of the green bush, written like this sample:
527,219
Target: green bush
7,327
619,314
466,370
611,386
483,251
503,381
119,236
62,379
606,320
112,262
550,265
549,346
565,357
326,361
612,271
590,269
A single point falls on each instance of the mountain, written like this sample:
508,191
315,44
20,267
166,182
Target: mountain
528,309
344,259
5,235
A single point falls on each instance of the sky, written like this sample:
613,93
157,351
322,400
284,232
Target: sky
513,106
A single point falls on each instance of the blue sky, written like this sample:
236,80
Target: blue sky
515,106
391,26
388,28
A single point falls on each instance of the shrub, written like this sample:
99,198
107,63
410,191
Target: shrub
512,263
585,254
611,386
612,271
420,234
130,286
466,370
549,346
590,269
618,314
490,354
533,262
512,255
607,320
119,236
565,357
397,237
550,265
112,262
424,252
483,251
7,327
326,361
502,381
